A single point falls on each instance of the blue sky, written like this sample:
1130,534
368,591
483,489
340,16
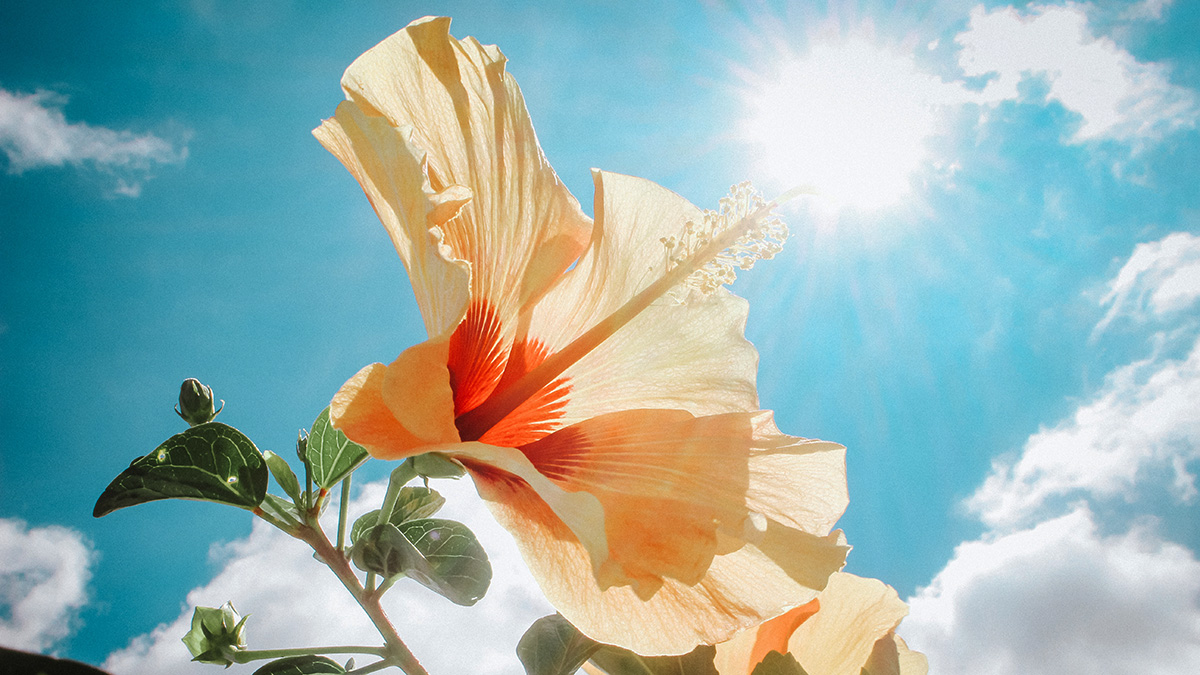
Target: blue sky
993,304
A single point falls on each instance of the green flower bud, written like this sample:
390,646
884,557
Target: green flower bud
437,465
196,402
302,446
216,635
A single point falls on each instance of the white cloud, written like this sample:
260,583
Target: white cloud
44,572
1044,592
295,602
35,133
1160,278
1144,419
1061,598
1141,425
1118,96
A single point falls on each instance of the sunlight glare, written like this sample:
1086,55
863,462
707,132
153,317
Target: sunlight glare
851,119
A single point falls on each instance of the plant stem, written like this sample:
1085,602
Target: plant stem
248,655
378,665
400,475
288,526
396,651
343,510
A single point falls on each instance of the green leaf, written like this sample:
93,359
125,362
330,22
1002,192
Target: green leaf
552,646
413,503
210,462
618,661
309,664
457,566
442,555
331,455
775,663
416,503
280,508
382,549
283,475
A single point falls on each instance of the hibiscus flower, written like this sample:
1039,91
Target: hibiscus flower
592,376
849,629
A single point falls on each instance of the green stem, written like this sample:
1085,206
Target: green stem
378,665
288,526
343,511
248,655
400,476
397,652
387,583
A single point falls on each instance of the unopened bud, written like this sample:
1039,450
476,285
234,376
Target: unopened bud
216,635
196,402
437,465
302,446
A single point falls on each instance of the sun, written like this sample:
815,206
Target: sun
851,119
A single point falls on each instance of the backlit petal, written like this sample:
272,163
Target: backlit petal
741,588
855,613
522,227
359,411
394,411
911,662
796,481
739,654
390,170
670,482
691,356
416,389
667,481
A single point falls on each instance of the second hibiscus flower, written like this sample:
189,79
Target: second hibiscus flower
592,376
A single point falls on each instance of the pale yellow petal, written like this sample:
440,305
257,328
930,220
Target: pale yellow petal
741,588
797,481
911,662
690,356
891,656
390,170
667,481
670,482
884,658
733,655
855,613
522,227
579,512
739,654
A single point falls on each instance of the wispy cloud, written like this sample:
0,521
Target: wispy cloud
1147,10
34,133
44,573
296,602
1117,96
1160,278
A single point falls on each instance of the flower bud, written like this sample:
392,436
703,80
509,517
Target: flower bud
302,446
216,634
437,465
196,402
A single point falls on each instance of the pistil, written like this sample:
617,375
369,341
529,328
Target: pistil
474,423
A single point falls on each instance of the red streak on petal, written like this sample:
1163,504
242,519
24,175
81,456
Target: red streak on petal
480,367
553,455
477,356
